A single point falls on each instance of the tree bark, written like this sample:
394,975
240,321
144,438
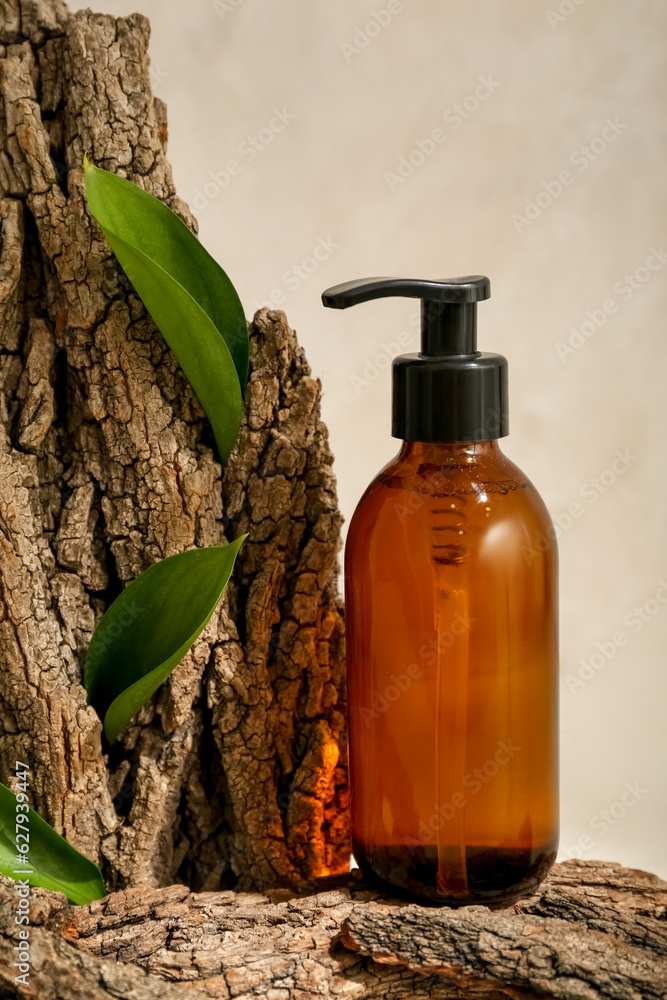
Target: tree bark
593,931
235,774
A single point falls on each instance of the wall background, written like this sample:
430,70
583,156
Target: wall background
561,85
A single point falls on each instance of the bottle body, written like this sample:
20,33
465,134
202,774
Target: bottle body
452,659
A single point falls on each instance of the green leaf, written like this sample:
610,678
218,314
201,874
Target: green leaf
191,299
150,627
52,862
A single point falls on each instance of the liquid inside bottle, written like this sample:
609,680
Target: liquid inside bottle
450,575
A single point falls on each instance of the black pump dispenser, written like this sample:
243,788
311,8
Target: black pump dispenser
450,391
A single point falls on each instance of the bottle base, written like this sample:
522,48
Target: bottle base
496,876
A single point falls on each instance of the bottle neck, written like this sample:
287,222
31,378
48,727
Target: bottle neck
449,453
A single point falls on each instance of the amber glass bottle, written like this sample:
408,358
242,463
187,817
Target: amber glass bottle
452,673
451,608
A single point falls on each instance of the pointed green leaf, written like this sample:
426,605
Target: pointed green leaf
192,301
52,863
150,627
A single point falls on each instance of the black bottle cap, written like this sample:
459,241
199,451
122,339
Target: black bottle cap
450,391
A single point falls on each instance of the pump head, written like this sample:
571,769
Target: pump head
450,391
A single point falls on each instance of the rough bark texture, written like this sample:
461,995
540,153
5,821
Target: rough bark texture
235,774
594,931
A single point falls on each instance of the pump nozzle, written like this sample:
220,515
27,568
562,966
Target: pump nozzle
472,288
449,307
450,391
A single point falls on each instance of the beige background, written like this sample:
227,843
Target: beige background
224,67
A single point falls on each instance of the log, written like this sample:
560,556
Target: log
593,931
235,773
